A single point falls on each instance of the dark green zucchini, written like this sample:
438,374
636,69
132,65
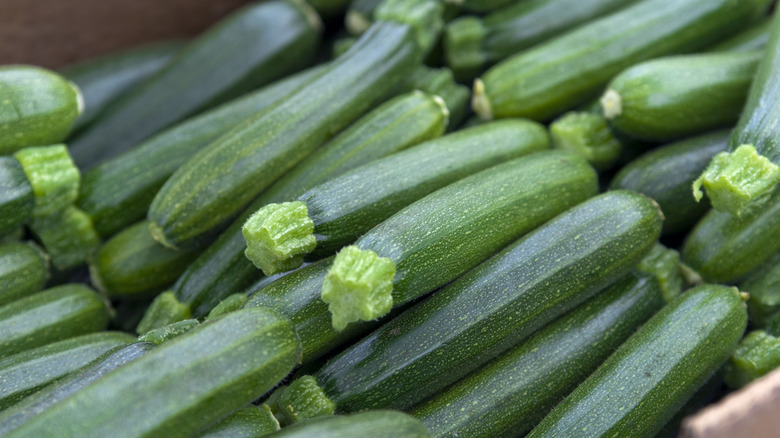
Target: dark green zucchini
374,424
664,264
666,174
222,63
52,175
679,96
104,79
180,387
763,285
68,237
754,38
758,354
24,269
222,179
16,196
248,422
649,378
28,371
742,177
587,135
565,71
514,392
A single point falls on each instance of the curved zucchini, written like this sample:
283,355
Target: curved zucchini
233,359
587,135
223,178
248,422
28,371
514,392
24,269
565,71
16,196
376,424
220,64
754,38
762,285
37,107
666,174
68,237
649,378
676,97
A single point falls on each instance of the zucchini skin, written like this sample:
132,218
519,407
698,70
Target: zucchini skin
676,97
375,424
34,404
117,192
102,80
484,313
641,386
248,422
24,270
754,38
52,315
16,196
513,393
26,372
234,359
565,71
220,64
666,174
761,284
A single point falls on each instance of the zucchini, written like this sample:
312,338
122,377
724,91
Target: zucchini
741,177
24,269
482,6
494,306
649,378
587,135
68,237
440,82
666,174
248,422
565,71
329,8
26,372
360,15
52,315
679,96
754,38
37,107
104,79
344,208
757,355
52,175
474,43
664,264
762,285
223,178
220,64
34,404
233,359
16,196
422,247
513,393
376,424
231,303
168,332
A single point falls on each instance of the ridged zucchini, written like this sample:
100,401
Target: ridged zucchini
666,174
52,315
220,64
763,286
248,422
757,355
16,196
233,359
754,38
223,178
513,393
375,424
565,71
641,386
24,269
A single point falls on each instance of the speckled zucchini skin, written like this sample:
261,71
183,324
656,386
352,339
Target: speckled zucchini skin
24,270
16,196
376,424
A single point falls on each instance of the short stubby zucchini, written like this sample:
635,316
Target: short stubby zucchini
24,269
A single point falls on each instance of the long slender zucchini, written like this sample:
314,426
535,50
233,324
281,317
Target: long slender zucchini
24,269
568,70
742,177
223,178
514,392
52,315
248,422
754,38
16,196
666,174
219,65
757,355
102,80
376,424
37,107
28,371
340,210
762,285
641,386
679,96
182,386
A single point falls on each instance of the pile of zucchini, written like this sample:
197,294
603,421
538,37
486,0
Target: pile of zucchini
395,218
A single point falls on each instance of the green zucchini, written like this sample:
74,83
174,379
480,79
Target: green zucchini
740,178
664,264
494,306
514,392
676,97
26,372
440,82
233,359
565,71
220,64
222,179
360,15
666,174
52,315
104,79
168,332
643,384
757,355
231,303
375,424
473,43
24,269
16,196
37,107
248,422
407,256
68,237
34,404
754,38
587,135
52,175
762,285
482,6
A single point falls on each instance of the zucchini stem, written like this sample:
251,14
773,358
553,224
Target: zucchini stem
53,177
480,103
587,135
164,310
463,40
168,332
612,104
302,400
